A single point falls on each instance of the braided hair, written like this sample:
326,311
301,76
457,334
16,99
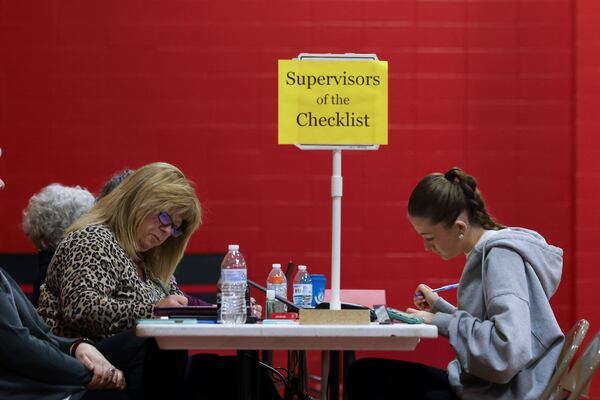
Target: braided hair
441,198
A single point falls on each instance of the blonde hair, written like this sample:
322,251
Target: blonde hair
151,189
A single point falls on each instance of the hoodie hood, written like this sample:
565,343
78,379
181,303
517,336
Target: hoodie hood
545,260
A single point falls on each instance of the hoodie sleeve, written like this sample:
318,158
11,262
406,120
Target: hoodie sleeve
498,347
441,305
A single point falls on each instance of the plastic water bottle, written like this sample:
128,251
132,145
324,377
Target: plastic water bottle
233,287
270,303
277,282
302,288
219,300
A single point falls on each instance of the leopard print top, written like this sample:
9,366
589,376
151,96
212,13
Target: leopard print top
92,288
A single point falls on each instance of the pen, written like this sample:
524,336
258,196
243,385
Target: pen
440,289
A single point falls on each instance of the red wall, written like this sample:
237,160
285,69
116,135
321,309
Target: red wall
587,174
87,88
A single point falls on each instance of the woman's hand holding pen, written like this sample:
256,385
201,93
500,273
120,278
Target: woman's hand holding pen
424,297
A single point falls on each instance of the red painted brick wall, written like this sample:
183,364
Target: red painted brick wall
587,169
87,88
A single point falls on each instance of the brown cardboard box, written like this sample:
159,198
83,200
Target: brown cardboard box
334,317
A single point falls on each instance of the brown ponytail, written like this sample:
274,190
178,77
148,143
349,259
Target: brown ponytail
442,197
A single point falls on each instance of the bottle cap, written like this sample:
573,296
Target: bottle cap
233,247
277,266
301,267
270,294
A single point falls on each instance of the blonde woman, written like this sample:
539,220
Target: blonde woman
116,262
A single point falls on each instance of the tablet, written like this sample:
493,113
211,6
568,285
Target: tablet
186,312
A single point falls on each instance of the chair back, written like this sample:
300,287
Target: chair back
579,377
364,297
573,340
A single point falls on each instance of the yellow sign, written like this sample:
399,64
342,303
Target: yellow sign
333,102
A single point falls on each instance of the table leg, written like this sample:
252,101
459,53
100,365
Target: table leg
324,373
348,358
334,375
267,358
247,375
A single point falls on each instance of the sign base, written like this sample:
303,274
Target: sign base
334,317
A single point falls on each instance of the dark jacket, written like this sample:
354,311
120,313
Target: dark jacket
34,364
44,257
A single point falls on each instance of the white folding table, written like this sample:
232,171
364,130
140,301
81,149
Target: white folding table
200,336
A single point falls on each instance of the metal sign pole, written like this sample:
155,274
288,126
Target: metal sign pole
337,183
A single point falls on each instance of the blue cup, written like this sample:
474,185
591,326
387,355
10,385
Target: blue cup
318,288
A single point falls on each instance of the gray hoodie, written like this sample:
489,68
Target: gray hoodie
504,332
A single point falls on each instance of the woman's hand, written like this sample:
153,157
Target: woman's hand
427,316
104,375
256,309
424,298
173,300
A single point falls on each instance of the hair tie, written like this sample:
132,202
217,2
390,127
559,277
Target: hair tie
452,177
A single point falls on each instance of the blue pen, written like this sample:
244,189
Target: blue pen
440,289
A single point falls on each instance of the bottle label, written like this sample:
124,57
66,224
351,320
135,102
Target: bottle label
276,279
233,275
280,289
302,289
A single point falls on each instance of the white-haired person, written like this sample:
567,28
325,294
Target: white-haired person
45,220
35,364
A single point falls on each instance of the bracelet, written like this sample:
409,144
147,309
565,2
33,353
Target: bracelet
77,342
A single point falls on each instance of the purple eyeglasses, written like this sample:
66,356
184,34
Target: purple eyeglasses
165,220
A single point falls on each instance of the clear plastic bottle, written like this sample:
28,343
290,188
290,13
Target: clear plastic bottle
302,288
270,303
233,283
219,300
277,282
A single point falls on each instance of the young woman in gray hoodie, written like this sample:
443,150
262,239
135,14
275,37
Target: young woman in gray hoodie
504,332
